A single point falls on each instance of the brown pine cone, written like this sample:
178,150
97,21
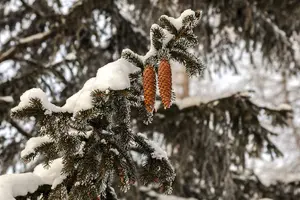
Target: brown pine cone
149,85
165,82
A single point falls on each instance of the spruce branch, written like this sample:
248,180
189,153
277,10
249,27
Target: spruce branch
171,39
91,132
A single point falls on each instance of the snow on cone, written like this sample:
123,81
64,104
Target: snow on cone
165,82
149,85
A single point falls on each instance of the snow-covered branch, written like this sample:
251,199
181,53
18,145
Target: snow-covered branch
13,185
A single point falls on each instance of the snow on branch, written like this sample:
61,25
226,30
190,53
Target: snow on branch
113,76
8,99
13,185
198,100
179,22
34,143
52,175
158,152
36,93
170,39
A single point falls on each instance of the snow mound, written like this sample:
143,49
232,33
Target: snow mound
13,185
113,76
177,22
36,93
52,175
33,143
8,99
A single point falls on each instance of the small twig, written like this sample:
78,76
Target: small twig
21,130
39,37
37,12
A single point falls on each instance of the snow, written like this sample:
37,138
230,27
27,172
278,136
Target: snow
8,99
75,132
177,22
265,199
52,175
33,143
81,100
158,153
106,132
197,100
115,151
284,106
188,102
231,35
103,141
81,148
65,6
13,185
152,51
283,169
142,135
37,93
71,56
113,76
158,196
172,197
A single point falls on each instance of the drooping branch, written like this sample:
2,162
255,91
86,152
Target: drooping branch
93,127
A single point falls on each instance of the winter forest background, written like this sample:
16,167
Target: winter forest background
232,133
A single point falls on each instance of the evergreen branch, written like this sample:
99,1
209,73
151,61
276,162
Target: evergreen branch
105,151
125,155
165,23
192,63
157,37
131,56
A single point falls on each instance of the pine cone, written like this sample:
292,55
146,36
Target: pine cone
149,84
165,82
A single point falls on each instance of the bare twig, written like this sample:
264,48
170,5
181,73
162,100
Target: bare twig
20,129
39,37
37,12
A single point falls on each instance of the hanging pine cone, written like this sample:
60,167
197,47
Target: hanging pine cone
165,82
149,85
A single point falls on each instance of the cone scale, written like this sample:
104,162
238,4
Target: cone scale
149,86
165,82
